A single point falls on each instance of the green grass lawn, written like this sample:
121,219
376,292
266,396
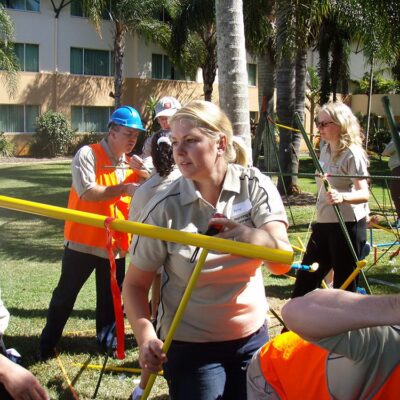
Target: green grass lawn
30,261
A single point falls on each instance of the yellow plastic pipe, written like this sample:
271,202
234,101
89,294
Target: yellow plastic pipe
360,265
303,249
384,229
170,235
178,315
137,371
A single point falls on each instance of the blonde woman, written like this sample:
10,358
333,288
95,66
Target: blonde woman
224,321
342,154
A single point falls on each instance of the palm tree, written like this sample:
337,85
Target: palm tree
8,61
295,21
193,26
312,94
232,68
126,16
260,43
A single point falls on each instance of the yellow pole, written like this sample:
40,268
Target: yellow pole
171,235
297,248
137,371
324,285
360,265
384,229
178,315
303,249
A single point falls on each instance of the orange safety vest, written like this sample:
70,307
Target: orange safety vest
116,208
296,370
390,390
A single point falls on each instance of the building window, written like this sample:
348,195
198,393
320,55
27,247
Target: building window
161,68
28,56
90,119
78,10
25,5
18,118
252,74
91,62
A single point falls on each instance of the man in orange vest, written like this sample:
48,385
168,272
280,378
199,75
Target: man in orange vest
346,346
98,188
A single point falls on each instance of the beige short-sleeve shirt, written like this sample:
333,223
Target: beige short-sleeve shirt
350,162
144,193
368,355
229,300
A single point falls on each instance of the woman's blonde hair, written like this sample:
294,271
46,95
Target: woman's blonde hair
213,122
350,130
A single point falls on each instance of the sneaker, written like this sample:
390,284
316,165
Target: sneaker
365,251
106,339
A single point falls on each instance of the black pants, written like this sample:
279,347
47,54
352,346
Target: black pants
76,269
328,247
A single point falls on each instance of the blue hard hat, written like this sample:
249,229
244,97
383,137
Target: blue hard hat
127,116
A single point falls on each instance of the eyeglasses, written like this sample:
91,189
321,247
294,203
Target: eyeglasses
323,124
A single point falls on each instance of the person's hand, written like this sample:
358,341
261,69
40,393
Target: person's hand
21,384
334,197
233,230
138,164
373,219
151,356
130,188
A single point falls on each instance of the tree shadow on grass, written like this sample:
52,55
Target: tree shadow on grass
42,313
280,291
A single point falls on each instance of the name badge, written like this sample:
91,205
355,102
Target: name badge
241,208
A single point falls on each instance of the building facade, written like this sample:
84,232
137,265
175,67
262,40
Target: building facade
66,66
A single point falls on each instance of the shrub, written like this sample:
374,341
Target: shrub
85,139
378,138
54,134
6,147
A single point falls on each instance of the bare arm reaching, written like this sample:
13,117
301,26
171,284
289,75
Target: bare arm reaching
324,313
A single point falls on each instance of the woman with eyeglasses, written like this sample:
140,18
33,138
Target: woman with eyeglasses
341,154
223,324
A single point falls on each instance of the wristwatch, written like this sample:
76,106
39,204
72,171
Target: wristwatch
344,196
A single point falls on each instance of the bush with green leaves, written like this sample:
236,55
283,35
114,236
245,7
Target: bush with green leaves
53,136
379,85
6,147
85,139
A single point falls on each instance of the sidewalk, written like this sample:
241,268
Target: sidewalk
32,160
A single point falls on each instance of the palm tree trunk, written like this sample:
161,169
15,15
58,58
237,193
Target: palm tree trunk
301,74
119,48
266,87
232,69
285,90
209,69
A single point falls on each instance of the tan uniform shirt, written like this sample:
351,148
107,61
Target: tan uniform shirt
229,299
350,162
369,356
144,193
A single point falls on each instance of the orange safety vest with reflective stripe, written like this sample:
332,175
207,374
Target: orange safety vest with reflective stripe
296,369
117,207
